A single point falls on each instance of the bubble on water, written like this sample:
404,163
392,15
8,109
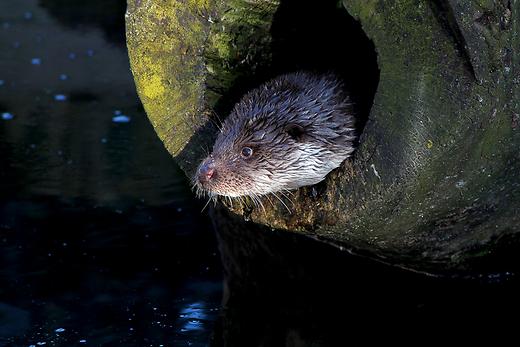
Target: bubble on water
64,77
83,341
59,330
16,44
72,55
36,61
28,15
6,25
2,82
60,97
460,184
90,52
121,119
117,112
7,116
41,343
104,140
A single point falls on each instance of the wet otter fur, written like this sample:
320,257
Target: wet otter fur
288,133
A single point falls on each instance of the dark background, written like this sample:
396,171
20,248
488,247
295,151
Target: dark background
99,232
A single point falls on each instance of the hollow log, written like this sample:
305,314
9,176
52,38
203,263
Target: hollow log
434,185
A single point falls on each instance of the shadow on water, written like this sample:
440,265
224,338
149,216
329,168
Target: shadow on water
284,290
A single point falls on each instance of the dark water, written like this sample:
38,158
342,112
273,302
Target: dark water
101,242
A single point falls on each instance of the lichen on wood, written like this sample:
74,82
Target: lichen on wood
434,183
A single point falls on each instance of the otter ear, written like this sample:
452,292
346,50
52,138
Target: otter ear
295,131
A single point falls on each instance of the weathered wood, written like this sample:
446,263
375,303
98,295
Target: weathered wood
434,184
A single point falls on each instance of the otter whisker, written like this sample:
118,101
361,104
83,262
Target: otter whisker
216,125
288,198
259,201
205,150
255,199
216,115
207,203
269,199
219,119
242,200
283,203
290,192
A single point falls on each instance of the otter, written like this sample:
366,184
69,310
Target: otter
288,133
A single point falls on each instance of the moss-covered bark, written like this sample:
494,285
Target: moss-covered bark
435,180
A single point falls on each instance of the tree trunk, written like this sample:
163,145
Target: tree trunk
434,184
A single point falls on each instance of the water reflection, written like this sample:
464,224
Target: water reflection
97,224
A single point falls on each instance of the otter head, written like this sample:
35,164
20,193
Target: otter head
288,133
252,156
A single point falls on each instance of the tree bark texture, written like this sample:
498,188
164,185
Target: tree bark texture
435,181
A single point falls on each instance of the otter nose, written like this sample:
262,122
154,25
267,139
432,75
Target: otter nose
206,171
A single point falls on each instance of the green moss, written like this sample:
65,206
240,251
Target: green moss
177,47
436,172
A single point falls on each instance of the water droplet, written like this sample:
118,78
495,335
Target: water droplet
121,119
28,15
6,25
117,112
82,341
2,82
7,116
59,330
41,343
64,77
104,140
90,52
36,61
60,97
72,55
460,184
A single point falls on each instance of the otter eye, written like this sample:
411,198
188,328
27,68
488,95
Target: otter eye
247,152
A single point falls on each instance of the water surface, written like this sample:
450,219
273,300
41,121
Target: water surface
101,242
